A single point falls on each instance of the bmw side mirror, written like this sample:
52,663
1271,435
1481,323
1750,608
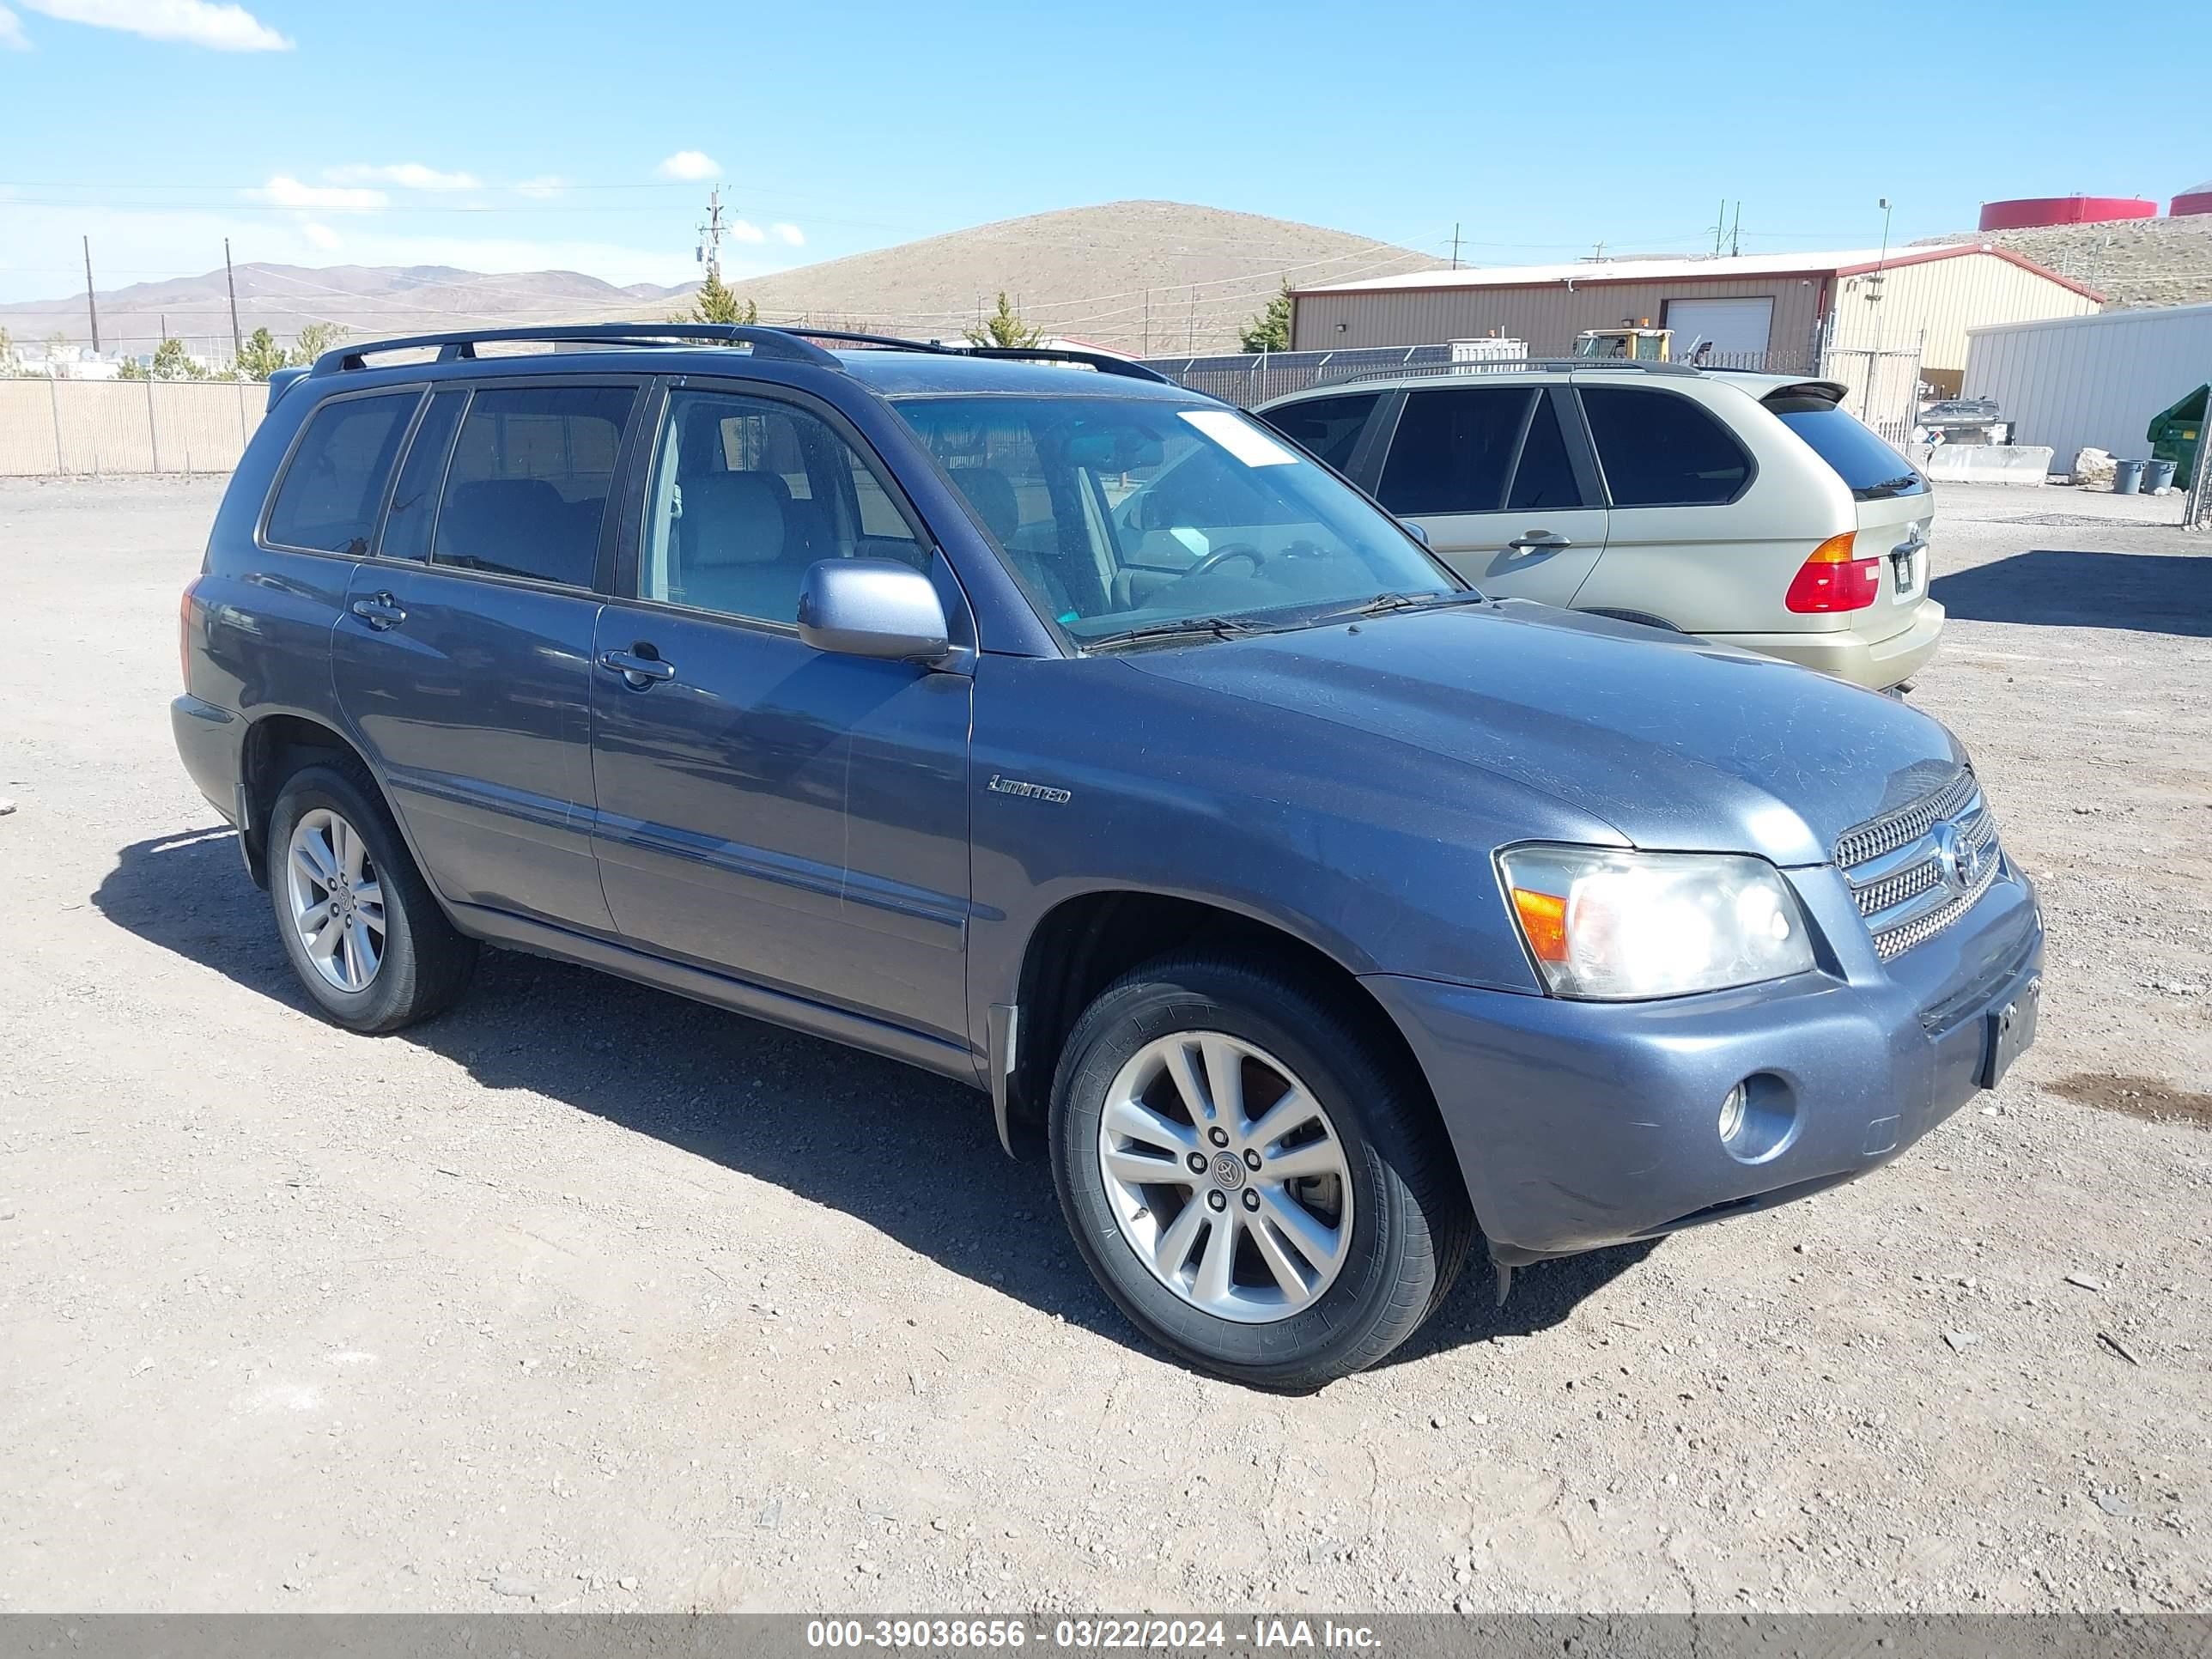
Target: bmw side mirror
1415,530
872,608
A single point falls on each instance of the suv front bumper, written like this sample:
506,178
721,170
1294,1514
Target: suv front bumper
1579,1125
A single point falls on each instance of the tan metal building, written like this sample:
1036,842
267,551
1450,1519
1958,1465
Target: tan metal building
1781,311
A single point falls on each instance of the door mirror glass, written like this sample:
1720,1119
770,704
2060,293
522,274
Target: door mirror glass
871,608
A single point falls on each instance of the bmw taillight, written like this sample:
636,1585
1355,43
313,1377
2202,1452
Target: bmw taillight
1832,579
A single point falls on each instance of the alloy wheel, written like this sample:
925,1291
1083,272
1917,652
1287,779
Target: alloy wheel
337,899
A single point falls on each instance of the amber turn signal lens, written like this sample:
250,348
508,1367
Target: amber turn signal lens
1544,921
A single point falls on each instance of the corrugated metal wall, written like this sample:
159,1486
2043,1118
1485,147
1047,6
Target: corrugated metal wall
2094,380
1945,298
1548,318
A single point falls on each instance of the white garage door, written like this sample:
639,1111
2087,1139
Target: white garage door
1730,329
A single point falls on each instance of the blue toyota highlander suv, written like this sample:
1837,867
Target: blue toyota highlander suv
1059,731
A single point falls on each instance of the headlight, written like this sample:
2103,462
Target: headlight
1613,925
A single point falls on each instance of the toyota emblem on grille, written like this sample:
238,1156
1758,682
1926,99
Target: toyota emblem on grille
1958,858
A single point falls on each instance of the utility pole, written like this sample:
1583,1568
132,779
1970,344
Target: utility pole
91,309
1455,244
709,252
237,340
1148,322
1874,298
1735,233
1720,224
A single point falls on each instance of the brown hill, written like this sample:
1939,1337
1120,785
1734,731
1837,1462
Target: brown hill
2131,262
1162,277
1151,278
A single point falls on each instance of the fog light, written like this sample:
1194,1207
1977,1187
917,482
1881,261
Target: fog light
1732,1105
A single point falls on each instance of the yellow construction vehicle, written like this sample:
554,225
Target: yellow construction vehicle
1638,341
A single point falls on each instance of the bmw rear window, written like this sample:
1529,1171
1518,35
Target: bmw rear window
1872,469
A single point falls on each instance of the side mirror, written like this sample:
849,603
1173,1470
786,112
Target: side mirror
1419,533
871,608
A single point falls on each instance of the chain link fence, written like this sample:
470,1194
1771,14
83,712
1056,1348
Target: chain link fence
86,429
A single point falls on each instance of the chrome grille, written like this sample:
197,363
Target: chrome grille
1894,828
1897,875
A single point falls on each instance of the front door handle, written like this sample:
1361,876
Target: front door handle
380,611
1538,541
640,672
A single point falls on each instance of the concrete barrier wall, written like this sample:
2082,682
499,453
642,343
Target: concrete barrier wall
80,429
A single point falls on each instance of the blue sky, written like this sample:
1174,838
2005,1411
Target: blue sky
505,137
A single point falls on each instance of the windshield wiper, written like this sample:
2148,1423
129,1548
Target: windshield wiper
1386,602
1200,628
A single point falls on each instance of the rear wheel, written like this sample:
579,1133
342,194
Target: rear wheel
354,916
1255,1179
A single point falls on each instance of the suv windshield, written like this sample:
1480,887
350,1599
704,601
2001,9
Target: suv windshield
1870,467
1122,515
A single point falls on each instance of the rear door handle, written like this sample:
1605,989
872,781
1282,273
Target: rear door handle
639,672
1539,540
380,611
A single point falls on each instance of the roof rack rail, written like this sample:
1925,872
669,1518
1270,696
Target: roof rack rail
1105,362
783,343
795,344
1481,366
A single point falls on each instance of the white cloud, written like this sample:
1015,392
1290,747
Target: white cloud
689,164
11,32
285,190
744,230
406,175
320,236
545,184
195,22
789,235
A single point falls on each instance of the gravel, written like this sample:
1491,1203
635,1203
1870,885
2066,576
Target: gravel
585,1298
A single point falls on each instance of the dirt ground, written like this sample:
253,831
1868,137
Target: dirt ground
587,1298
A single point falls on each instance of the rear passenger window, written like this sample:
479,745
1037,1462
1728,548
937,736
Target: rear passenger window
527,488
414,497
1329,427
1453,450
1545,478
331,492
1661,449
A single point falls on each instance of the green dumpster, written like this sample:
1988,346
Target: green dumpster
2178,435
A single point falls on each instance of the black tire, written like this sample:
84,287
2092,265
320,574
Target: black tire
425,962
1411,1222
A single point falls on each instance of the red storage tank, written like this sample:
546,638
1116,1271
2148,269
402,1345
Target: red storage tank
2026,212
2196,200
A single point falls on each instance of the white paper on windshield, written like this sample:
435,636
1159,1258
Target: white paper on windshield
1239,437
1193,540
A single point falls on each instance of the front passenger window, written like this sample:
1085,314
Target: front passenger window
747,495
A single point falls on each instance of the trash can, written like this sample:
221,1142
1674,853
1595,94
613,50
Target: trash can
2177,435
2157,475
2127,478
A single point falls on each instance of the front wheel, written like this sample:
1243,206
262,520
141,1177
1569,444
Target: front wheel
1254,1176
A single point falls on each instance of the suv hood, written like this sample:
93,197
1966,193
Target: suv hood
1676,743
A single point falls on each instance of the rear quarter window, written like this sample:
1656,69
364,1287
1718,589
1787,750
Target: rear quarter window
1660,449
1869,468
333,486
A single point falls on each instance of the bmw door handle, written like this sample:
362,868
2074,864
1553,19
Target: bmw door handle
380,611
1538,541
639,672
